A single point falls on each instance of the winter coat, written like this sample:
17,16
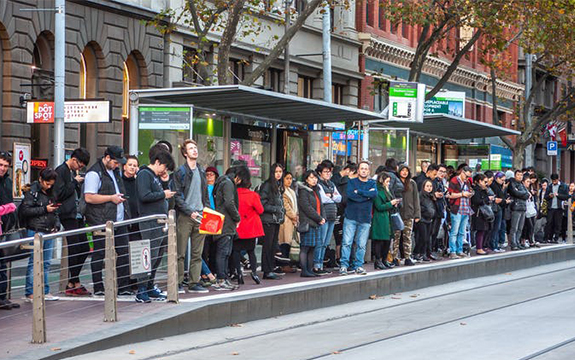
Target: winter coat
274,212
396,186
226,199
382,209
519,195
562,194
67,191
480,197
428,207
288,228
410,208
182,181
250,209
500,193
151,196
307,204
33,209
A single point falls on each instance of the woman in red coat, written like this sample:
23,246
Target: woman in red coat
250,226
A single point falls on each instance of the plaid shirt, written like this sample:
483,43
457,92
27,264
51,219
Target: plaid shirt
465,204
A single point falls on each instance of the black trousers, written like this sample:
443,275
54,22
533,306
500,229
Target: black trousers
381,248
122,260
422,238
224,245
3,280
554,223
78,249
270,244
249,245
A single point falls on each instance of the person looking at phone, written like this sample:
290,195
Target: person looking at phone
460,193
556,193
103,193
67,189
40,214
152,200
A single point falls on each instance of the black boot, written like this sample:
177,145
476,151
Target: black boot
378,265
255,277
240,279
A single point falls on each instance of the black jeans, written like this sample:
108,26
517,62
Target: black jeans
122,260
270,244
422,238
249,246
78,249
153,231
381,248
224,246
554,221
3,280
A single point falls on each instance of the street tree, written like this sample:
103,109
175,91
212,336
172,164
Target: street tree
233,20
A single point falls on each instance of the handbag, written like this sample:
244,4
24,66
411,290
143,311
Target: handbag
531,209
396,222
294,248
486,212
303,227
14,252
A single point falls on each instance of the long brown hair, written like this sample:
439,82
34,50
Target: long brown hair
407,181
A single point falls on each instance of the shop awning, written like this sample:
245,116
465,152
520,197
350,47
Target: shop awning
450,127
239,100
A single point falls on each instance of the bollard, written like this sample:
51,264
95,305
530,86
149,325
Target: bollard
110,277
64,265
38,312
172,258
570,223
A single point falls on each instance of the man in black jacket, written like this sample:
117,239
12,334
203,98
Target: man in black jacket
67,190
227,203
556,193
152,200
191,198
104,196
519,195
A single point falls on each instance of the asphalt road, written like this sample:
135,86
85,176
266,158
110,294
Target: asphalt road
529,314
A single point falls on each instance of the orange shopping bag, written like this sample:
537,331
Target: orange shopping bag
212,222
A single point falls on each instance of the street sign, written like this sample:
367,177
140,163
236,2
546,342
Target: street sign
164,117
81,111
140,257
406,101
551,148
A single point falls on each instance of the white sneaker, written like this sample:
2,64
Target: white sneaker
50,297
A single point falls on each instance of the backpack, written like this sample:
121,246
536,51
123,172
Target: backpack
82,199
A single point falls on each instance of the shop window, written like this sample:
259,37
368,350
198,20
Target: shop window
385,144
89,89
252,145
131,80
305,87
337,94
319,148
237,69
272,79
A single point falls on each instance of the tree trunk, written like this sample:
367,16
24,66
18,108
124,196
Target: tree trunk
234,14
519,153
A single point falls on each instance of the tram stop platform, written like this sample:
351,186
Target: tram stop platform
75,326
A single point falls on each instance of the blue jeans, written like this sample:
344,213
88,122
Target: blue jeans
354,232
205,268
495,231
502,231
458,232
319,252
48,250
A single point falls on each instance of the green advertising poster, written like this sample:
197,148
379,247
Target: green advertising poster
446,102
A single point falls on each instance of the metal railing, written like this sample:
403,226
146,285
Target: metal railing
110,280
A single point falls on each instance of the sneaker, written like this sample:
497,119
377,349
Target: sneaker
126,293
99,293
343,270
143,297
28,298
462,255
181,289
156,293
198,289
321,272
408,262
453,256
223,285
278,271
280,257
50,297
360,271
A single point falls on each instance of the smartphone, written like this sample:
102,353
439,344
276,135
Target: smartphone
126,197
399,199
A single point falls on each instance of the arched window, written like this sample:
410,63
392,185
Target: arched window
89,88
132,79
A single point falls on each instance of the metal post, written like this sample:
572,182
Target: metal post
134,119
407,143
64,264
528,84
172,258
110,277
38,310
326,37
59,80
286,50
570,223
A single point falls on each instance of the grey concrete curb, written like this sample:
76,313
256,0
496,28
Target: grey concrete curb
270,302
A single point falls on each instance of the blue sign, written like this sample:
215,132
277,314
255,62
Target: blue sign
551,148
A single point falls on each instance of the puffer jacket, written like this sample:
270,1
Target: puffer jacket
519,195
274,212
227,203
428,208
33,210
479,198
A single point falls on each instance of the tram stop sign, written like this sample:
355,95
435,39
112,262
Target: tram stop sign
552,148
140,257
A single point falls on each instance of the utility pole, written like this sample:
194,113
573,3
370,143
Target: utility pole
326,37
286,51
59,80
528,84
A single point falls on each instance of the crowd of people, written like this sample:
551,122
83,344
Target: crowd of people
440,212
